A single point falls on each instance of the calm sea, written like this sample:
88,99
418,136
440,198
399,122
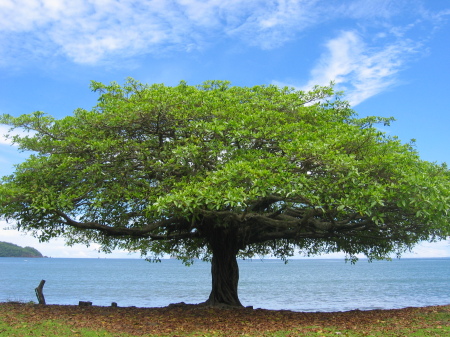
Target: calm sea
300,285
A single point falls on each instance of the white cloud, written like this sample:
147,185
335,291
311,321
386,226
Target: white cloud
421,250
3,132
89,31
56,247
9,154
360,70
93,31
430,249
270,25
367,9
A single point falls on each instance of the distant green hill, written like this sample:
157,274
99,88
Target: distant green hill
11,250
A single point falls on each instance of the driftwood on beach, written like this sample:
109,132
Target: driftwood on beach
39,292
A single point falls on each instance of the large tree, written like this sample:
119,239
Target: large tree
218,172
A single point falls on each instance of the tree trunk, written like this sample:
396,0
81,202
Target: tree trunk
224,269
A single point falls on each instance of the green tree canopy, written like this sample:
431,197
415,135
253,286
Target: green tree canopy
216,171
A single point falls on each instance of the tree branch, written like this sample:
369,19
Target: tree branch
145,231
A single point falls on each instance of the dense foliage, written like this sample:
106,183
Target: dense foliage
11,250
216,171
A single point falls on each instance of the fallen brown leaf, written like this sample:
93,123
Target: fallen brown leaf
182,319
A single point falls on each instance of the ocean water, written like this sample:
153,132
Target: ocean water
300,285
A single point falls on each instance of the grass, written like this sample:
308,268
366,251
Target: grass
57,329
46,321
48,329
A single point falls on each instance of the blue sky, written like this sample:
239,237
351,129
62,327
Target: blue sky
392,58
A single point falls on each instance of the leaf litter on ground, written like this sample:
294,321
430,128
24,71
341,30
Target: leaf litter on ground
194,320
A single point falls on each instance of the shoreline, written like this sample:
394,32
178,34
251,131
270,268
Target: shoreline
200,306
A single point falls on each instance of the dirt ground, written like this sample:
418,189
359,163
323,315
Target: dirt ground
186,318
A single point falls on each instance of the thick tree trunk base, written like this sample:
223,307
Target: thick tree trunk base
208,305
220,305
224,269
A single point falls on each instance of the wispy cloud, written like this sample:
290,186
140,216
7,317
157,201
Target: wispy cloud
367,59
89,31
370,9
8,152
94,31
3,132
271,24
57,247
361,70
